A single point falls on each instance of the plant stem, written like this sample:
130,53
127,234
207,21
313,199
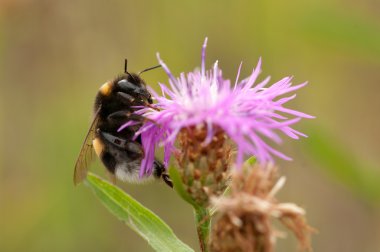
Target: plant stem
203,219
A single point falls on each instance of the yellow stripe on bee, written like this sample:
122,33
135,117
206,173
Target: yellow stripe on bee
98,146
105,89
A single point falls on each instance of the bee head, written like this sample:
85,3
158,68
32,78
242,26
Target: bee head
134,86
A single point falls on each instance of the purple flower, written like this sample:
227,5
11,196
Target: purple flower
248,113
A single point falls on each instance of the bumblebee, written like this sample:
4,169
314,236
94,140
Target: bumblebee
120,153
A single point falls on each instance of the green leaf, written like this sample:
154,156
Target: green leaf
339,162
148,225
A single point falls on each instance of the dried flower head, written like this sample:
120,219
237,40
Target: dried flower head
247,113
244,218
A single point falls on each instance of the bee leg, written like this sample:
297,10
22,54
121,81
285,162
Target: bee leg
140,118
122,116
159,171
134,150
119,118
167,179
130,88
125,98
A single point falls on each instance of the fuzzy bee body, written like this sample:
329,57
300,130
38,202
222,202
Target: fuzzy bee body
119,151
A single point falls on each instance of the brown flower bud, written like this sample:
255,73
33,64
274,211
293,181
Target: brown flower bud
244,218
203,167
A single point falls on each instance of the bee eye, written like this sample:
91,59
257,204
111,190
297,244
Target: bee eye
126,85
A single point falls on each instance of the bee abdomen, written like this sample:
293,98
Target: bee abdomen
105,156
109,161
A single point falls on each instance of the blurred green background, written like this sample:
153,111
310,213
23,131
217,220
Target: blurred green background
55,55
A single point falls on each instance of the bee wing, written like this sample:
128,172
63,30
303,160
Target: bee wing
86,154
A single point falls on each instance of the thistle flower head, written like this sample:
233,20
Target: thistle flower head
249,113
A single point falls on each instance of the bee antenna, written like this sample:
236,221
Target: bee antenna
126,71
125,66
148,69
